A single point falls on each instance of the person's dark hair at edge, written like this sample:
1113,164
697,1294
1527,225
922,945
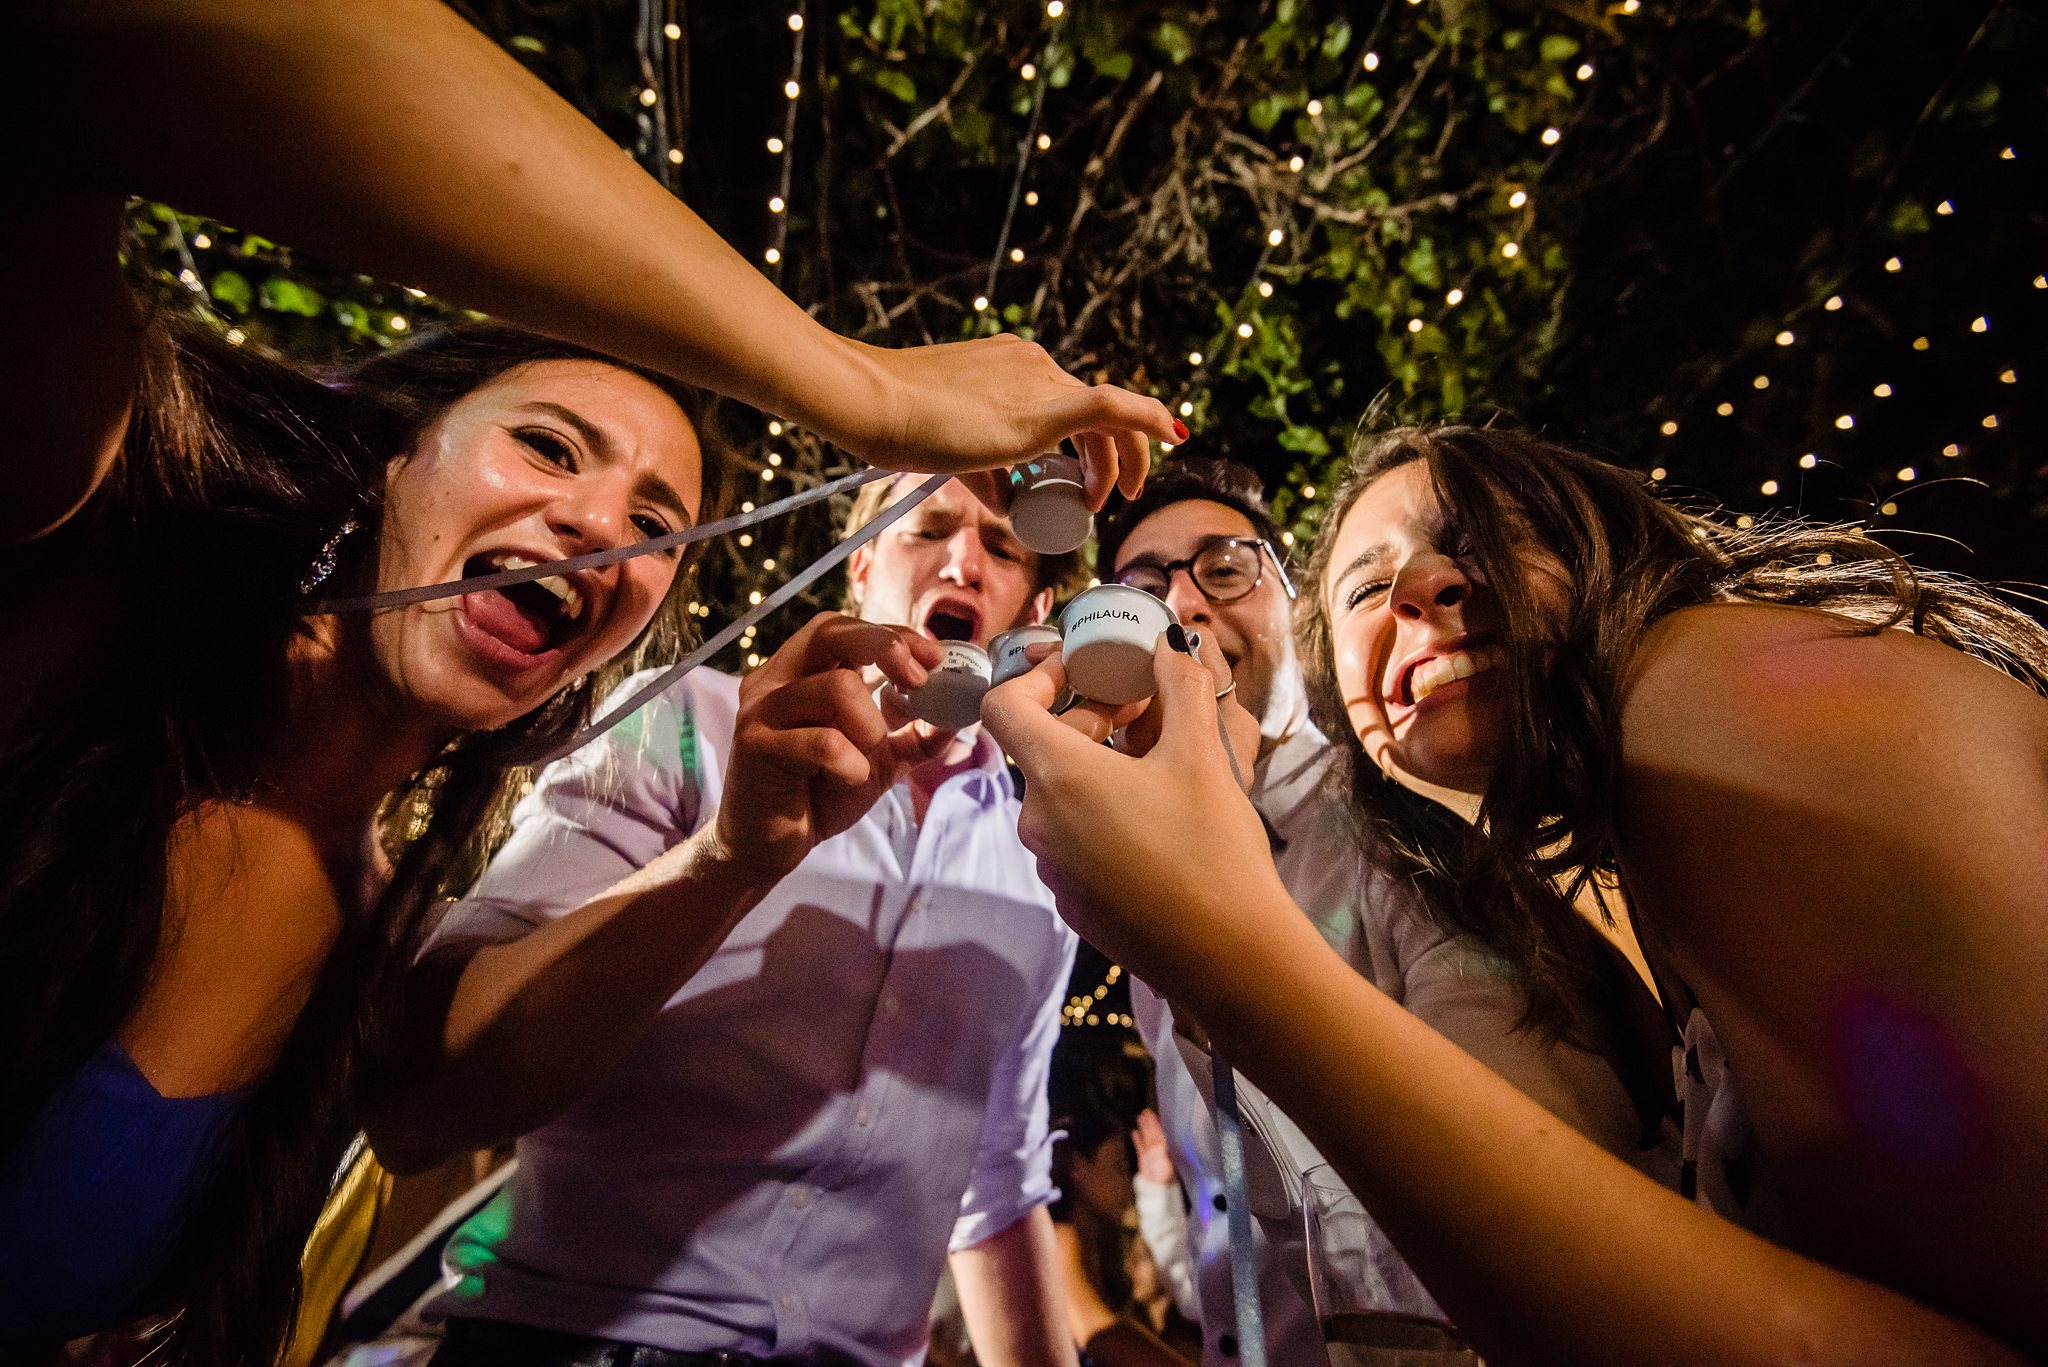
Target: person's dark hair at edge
237,469
1217,481
1629,559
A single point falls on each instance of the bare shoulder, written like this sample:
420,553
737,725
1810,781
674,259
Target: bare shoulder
250,914
1838,838
1722,679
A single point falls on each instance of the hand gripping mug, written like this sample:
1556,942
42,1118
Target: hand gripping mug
1007,650
1110,631
951,697
1049,504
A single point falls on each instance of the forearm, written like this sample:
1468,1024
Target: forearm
529,1024
1541,1245
1012,1298
390,135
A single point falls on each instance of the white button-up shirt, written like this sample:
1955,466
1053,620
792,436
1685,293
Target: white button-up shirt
851,1086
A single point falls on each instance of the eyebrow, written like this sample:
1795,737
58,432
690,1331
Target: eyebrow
659,489
1368,558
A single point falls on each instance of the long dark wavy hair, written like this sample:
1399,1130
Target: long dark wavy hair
1547,820
237,470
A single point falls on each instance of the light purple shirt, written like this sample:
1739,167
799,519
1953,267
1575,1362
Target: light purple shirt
852,1086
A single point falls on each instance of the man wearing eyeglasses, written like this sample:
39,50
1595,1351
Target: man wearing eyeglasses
1200,538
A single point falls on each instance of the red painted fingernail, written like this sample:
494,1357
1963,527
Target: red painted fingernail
1180,429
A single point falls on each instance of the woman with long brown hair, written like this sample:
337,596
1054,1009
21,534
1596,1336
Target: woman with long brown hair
1817,776
196,929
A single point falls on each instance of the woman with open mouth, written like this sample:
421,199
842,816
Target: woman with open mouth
1811,776
198,927
183,1086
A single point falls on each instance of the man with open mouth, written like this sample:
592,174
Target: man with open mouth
765,1149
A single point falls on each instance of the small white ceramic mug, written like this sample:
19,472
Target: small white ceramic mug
1007,650
1109,632
951,697
1049,504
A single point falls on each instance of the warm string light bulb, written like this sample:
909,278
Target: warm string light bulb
1454,298
672,32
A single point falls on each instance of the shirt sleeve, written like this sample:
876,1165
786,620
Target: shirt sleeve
1013,1165
1163,1225
592,818
1475,999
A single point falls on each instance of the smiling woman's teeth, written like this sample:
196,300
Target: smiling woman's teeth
571,596
1431,675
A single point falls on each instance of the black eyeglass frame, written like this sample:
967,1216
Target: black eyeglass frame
1257,543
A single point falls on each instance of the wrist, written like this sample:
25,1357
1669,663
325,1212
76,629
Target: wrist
847,395
720,856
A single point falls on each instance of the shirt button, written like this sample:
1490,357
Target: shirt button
788,1300
1227,1345
1220,1202
891,1004
864,1117
801,1198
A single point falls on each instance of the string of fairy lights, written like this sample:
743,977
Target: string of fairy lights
1792,332
1240,323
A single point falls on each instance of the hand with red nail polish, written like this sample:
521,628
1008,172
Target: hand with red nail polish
981,406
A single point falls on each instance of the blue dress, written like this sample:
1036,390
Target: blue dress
93,1197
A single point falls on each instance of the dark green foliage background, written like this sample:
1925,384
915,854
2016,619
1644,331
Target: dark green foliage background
1721,169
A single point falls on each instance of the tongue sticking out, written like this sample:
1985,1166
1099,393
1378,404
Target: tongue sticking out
503,617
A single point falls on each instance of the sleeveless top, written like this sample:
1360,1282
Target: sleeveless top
93,1197
1721,1167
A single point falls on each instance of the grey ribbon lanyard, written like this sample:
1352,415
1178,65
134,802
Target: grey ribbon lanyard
1244,1256
1237,1214
816,570
654,545
813,572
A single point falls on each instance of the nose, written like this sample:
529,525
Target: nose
1188,602
1429,585
593,515
965,559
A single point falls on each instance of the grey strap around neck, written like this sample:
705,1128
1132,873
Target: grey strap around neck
1237,1213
